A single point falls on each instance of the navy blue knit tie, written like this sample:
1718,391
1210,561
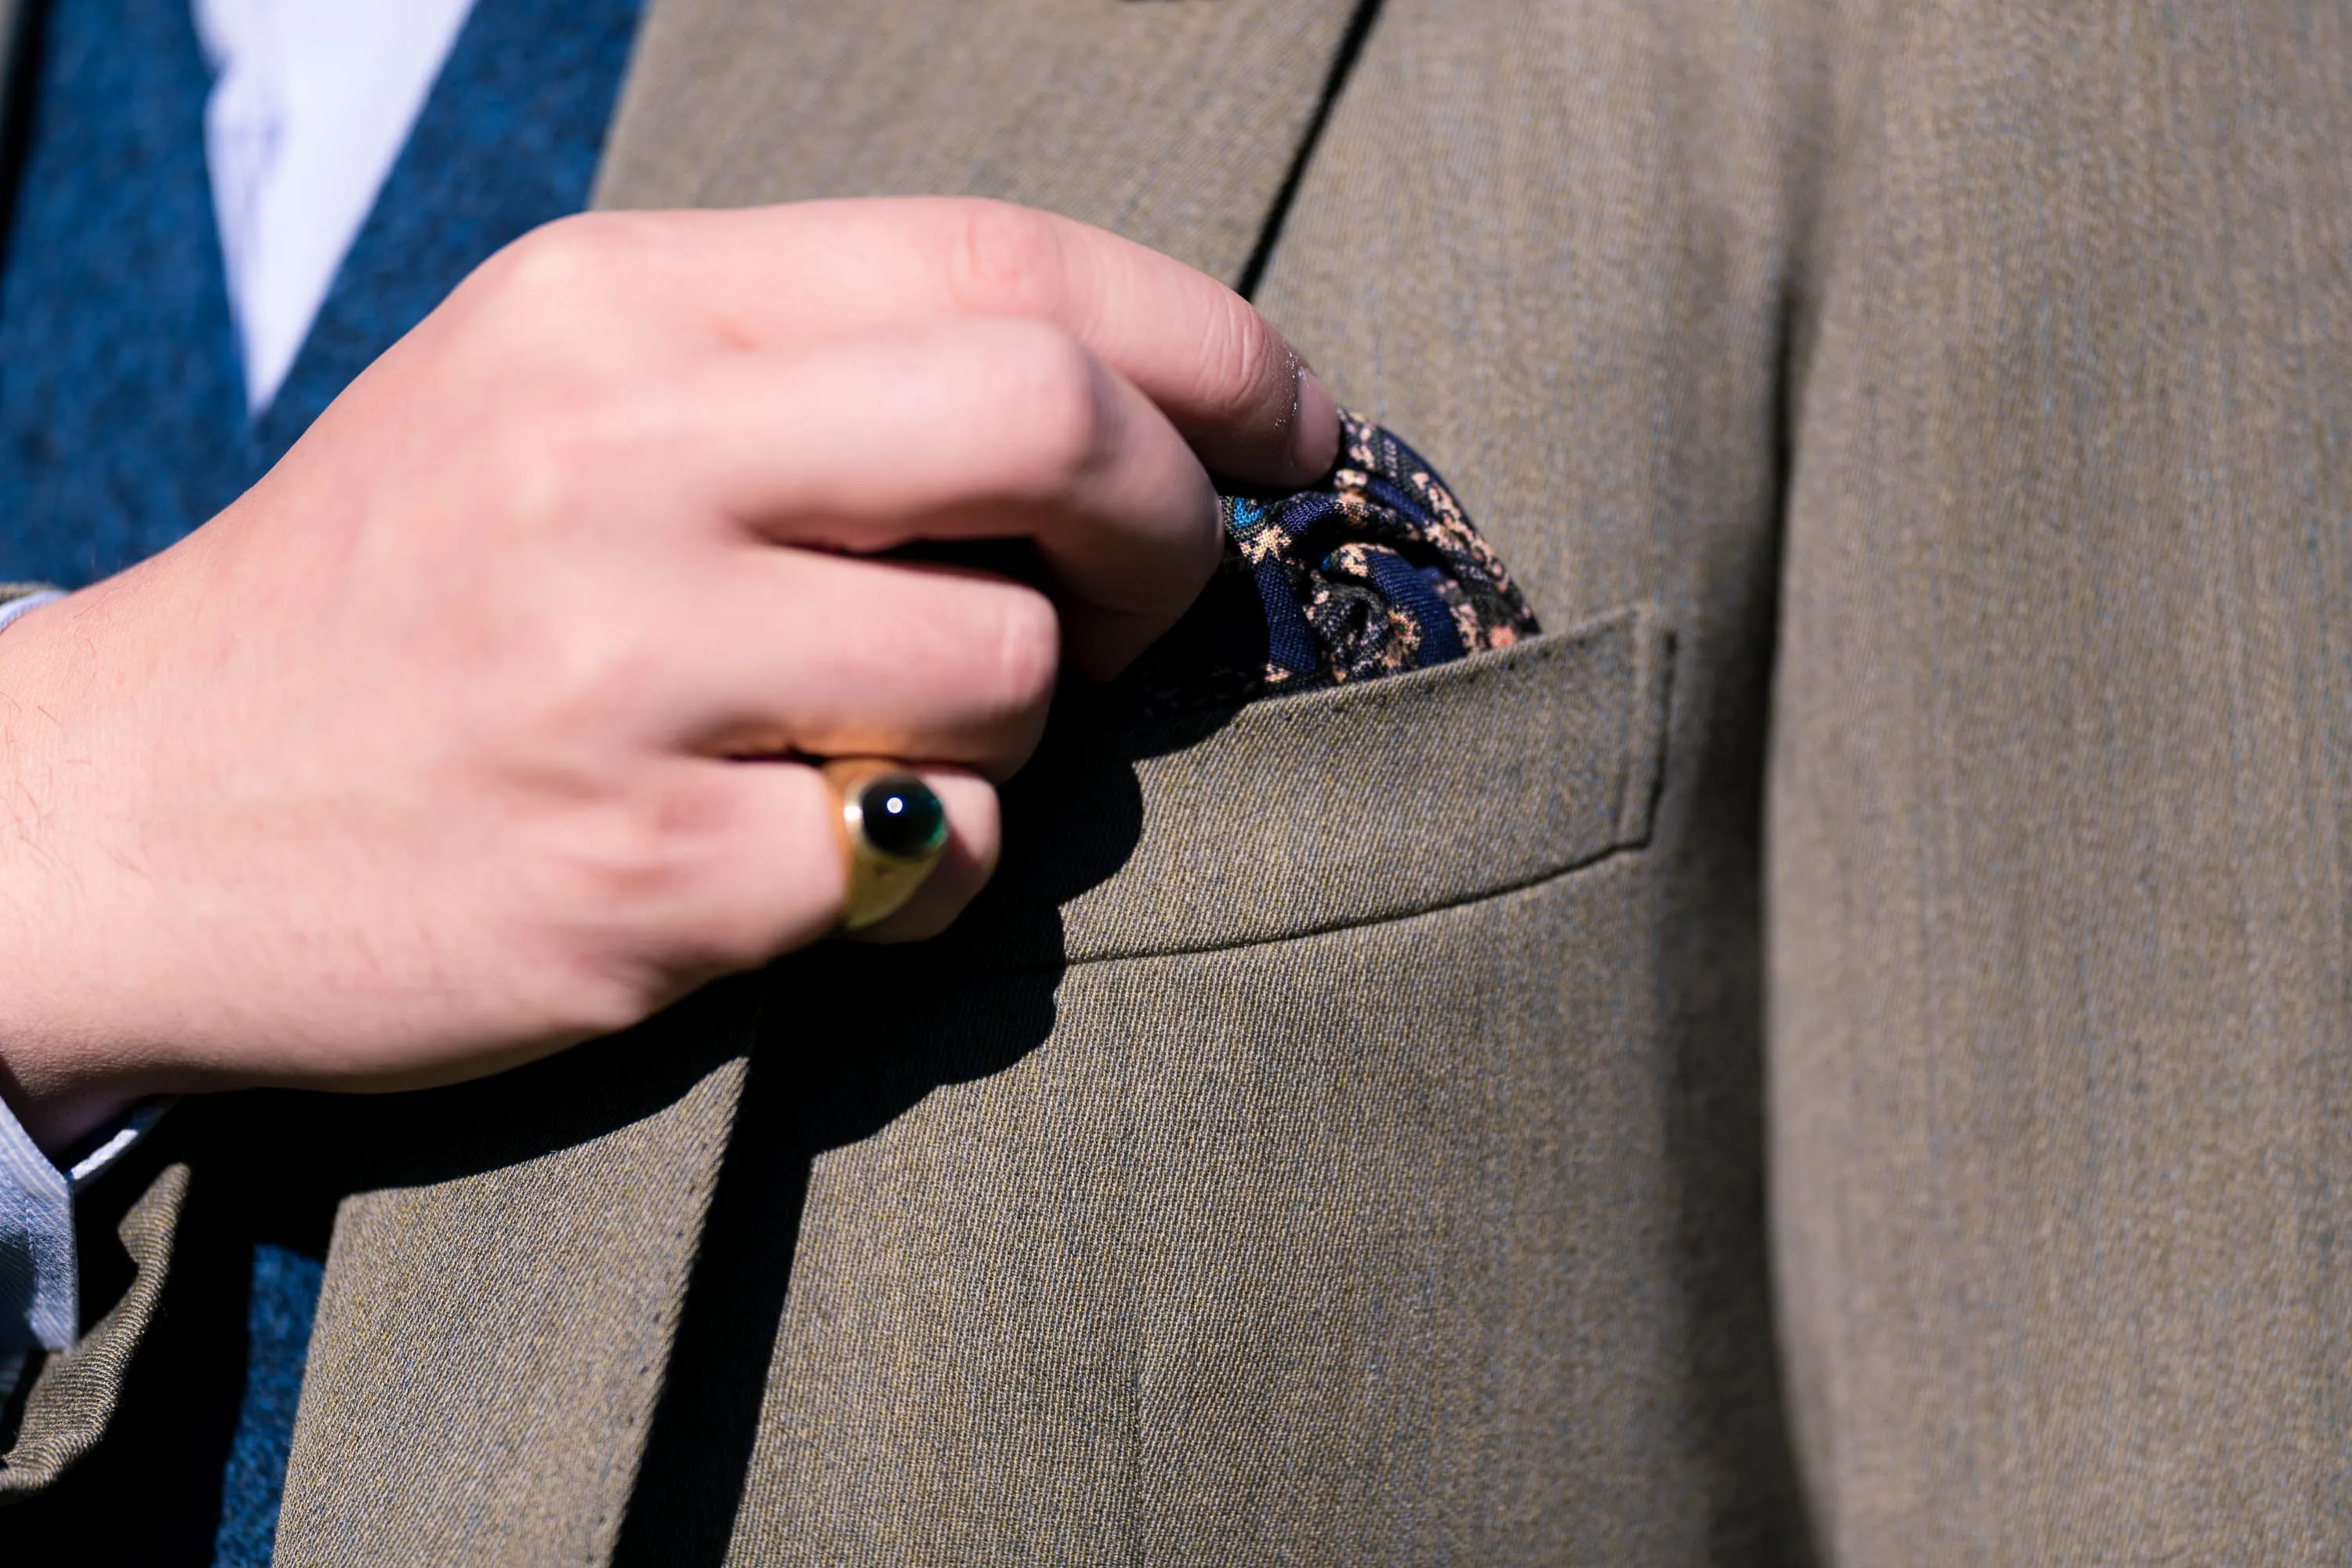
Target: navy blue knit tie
122,416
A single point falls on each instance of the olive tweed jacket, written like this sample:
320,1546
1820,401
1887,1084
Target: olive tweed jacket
1834,1050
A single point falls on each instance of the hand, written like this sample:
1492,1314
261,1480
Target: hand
462,736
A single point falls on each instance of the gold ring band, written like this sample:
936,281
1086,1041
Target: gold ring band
893,832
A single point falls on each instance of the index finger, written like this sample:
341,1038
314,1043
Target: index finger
769,276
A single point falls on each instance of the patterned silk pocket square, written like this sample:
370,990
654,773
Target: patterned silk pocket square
1372,571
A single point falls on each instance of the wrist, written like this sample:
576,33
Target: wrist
62,1118
57,1094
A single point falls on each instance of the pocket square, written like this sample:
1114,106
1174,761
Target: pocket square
1374,570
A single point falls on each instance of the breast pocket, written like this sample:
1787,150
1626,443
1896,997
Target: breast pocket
1356,803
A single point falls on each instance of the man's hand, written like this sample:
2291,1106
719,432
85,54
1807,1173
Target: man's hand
457,739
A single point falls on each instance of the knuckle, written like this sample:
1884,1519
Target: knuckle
1237,351
1003,260
563,270
534,451
554,451
588,1000
600,975
1024,651
1068,417
555,261
638,872
584,662
555,666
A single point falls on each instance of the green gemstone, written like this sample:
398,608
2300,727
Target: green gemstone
901,816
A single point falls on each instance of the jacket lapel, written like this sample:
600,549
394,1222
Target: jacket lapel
1172,122
501,1296
497,1320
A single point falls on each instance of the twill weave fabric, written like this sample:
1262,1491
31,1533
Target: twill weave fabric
1342,1137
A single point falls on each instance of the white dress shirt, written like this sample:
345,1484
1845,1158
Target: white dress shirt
311,102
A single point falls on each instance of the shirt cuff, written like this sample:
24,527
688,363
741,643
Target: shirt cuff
39,1274
19,598
39,1302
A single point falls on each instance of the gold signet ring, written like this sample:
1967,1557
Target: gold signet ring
893,831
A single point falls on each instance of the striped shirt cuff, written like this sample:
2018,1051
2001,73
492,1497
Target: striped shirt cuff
39,1274
37,1303
37,1295
19,598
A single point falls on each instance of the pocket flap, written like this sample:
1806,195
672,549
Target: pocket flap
1336,807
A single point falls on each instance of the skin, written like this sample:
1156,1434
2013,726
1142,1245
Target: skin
473,730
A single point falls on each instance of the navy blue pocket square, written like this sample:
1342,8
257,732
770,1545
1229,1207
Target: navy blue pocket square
1373,571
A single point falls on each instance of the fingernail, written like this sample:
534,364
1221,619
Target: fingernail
1313,426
